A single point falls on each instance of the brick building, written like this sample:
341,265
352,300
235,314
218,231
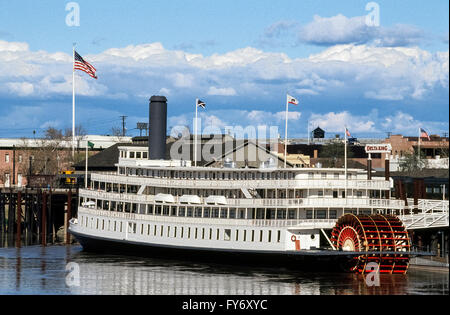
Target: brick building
21,157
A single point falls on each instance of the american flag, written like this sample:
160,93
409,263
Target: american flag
348,133
424,134
81,64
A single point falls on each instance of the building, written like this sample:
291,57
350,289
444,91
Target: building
435,151
20,158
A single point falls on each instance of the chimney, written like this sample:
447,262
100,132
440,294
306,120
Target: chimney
157,128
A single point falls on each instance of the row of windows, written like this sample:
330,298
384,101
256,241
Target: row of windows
19,158
134,154
226,175
194,211
205,175
184,232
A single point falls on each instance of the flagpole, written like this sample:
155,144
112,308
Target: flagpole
419,148
345,161
285,133
73,103
195,132
86,167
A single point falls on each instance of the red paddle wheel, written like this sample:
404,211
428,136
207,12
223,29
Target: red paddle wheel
384,234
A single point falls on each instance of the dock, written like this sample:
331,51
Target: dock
30,216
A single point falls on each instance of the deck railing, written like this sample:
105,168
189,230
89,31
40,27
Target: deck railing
238,184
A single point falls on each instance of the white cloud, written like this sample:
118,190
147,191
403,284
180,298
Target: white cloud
20,88
336,122
221,91
339,29
385,74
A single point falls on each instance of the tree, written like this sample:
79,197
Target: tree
411,162
334,152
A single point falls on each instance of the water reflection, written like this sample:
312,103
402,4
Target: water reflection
42,270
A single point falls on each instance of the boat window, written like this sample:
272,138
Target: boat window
198,212
131,155
223,213
333,214
174,231
323,175
253,235
217,234
203,233
168,231
162,230
154,231
292,214
215,212
321,214
182,211
245,235
189,232
269,237
138,155
144,155
148,229
227,234
182,232
237,235
261,235
206,212
158,210
278,236
189,212
232,213
165,210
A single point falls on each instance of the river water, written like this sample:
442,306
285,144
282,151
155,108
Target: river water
68,270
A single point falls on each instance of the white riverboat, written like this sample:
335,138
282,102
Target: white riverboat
270,214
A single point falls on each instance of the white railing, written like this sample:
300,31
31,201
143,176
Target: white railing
292,224
255,202
426,214
238,184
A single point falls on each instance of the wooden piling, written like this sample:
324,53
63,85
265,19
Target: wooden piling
44,219
69,215
11,214
2,213
19,219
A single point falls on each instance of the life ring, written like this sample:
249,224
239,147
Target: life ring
293,238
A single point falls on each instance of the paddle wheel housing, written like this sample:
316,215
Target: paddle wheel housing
373,233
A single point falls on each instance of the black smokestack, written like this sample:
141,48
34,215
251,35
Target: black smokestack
158,126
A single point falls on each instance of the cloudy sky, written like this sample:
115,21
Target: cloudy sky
241,57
